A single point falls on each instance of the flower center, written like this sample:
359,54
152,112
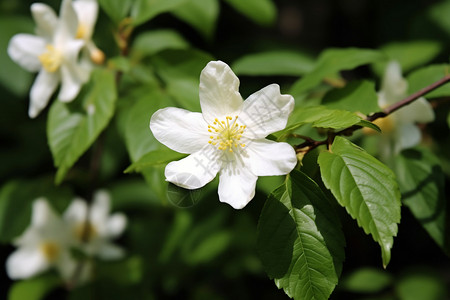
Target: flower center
85,231
50,250
51,59
226,134
81,31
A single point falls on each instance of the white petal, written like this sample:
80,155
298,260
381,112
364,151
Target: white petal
266,111
196,170
41,91
71,82
267,158
236,185
76,212
179,129
87,11
109,251
394,86
45,18
42,213
25,263
407,136
419,111
66,265
100,208
68,23
24,49
116,225
219,91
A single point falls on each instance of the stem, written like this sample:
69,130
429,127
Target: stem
311,144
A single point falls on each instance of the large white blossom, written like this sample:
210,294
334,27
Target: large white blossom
228,137
93,227
53,52
44,244
399,128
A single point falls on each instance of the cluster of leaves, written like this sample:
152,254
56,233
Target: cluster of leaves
300,241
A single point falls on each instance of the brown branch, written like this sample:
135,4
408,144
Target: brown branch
311,144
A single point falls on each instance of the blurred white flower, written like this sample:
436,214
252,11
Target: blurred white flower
53,52
228,137
44,244
93,227
87,12
399,129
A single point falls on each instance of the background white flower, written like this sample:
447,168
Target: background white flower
53,52
87,12
45,243
399,129
228,137
93,235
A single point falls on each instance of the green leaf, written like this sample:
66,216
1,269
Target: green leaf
152,158
409,55
16,198
423,77
319,117
183,198
366,280
299,239
125,272
180,69
365,123
145,10
262,12
366,188
72,129
422,185
421,284
35,288
288,63
438,14
200,14
152,42
116,10
332,61
12,76
357,96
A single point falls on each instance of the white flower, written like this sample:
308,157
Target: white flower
93,235
45,243
53,52
87,12
399,128
228,137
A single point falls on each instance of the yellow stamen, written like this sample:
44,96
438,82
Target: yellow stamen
386,125
50,250
51,59
85,231
228,133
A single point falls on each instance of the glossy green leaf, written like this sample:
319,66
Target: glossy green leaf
262,12
12,76
319,117
116,10
152,158
200,14
366,188
332,61
145,10
35,288
152,42
72,128
357,96
423,77
366,280
287,63
422,185
409,55
299,239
